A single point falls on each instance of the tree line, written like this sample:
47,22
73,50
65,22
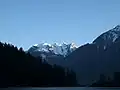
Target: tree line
18,68
106,81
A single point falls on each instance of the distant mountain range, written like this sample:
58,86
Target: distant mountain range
64,49
58,49
102,56
51,51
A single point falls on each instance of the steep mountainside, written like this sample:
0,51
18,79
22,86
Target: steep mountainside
100,57
84,61
109,37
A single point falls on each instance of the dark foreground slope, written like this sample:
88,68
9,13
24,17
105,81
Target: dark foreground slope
20,69
89,61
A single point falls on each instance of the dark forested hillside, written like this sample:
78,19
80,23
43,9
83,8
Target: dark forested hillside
18,68
105,81
90,60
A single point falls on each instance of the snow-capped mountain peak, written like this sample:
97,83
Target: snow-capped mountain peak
42,44
58,49
73,45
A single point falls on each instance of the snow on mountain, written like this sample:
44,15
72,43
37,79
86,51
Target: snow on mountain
58,49
108,37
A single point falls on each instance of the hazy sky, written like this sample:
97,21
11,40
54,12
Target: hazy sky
27,22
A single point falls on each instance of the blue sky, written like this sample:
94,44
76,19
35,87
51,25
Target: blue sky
27,22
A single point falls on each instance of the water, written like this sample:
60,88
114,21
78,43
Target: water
74,88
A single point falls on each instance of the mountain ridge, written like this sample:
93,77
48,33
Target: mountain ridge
108,37
103,41
91,59
99,57
55,48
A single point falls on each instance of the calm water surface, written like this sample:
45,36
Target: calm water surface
77,88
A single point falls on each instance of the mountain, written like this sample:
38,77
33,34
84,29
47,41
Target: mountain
85,62
109,37
53,49
52,53
20,69
100,57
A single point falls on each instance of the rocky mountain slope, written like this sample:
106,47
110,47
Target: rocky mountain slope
52,53
55,49
109,37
